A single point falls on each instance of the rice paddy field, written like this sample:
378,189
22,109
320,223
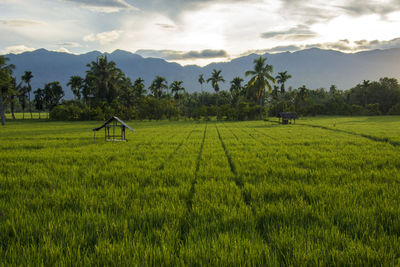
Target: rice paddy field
324,191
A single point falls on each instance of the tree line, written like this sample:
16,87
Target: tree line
106,91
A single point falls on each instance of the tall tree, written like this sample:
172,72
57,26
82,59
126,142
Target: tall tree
26,78
158,86
39,100
13,93
365,86
236,89
126,92
53,93
261,78
303,91
282,79
333,89
103,76
5,82
139,88
201,81
76,83
176,89
216,78
22,99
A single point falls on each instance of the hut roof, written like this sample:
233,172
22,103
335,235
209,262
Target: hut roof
111,120
287,115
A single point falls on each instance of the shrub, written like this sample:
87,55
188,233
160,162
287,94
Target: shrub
395,110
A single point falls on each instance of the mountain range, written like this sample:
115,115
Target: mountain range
313,67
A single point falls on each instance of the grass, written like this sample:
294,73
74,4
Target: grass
27,115
322,192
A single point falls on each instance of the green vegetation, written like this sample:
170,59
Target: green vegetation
324,191
106,91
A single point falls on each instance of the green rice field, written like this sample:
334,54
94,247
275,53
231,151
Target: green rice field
27,115
324,191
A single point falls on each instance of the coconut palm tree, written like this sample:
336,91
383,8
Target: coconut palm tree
5,82
39,100
13,93
76,83
216,78
26,78
158,85
236,89
365,85
139,88
22,99
201,81
176,87
281,79
261,76
104,78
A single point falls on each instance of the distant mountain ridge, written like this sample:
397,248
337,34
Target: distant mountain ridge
313,67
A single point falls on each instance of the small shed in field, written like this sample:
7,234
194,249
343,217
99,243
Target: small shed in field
114,129
287,117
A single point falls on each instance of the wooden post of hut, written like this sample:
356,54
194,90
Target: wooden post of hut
118,130
287,117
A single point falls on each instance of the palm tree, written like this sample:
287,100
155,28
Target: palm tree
5,80
127,94
333,89
139,88
303,93
27,79
236,88
22,99
76,83
365,86
176,87
13,93
215,79
201,81
262,74
281,79
158,85
104,77
39,100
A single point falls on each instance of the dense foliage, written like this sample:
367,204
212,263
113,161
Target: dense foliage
106,90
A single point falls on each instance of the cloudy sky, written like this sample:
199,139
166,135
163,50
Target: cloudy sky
198,31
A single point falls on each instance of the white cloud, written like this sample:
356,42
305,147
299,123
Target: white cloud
70,44
63,50
17,49
21,22
103,38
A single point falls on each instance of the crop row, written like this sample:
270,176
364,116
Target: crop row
207,193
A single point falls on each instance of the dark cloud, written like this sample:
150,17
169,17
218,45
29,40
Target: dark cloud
314,11
342,45
360,45
165,26
180,55
308,11
376,44
286,48
277,49
173,8
104,5
357,8
300,32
